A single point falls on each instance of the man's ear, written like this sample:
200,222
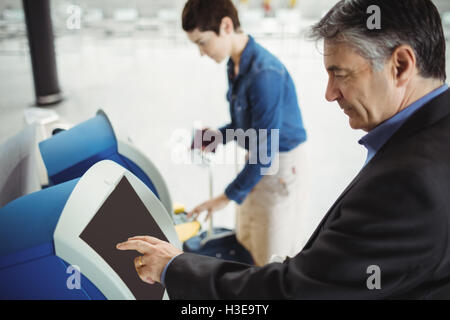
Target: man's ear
404,66
226,25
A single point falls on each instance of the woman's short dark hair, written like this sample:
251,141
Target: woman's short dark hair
207,15
416,23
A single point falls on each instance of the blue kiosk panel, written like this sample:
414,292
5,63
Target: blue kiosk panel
69,154
29,268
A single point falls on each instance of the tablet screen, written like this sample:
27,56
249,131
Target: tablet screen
123,215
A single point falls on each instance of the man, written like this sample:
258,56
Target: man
386,236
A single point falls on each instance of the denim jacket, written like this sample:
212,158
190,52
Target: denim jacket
262,96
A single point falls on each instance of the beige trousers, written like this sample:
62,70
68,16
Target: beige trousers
269,221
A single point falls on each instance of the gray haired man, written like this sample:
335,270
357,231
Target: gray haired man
386,236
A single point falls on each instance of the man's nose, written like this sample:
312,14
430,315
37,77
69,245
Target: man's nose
332,93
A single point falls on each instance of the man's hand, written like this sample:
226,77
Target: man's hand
155,256
210,206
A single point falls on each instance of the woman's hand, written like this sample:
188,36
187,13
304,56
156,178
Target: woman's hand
211,206
155,256
206,139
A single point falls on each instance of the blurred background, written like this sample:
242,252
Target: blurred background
133,59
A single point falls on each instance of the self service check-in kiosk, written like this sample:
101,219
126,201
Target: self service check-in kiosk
69,154
60,242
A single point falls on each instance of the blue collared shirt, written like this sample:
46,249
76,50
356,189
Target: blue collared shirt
163,274
261,96
377,137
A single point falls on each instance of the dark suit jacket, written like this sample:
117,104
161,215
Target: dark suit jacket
395,215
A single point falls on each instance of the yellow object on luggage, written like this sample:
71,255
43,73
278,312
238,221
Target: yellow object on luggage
178,208
187,230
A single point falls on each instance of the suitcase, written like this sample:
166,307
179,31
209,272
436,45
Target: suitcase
221,244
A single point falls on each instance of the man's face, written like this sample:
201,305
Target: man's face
216,47
366,96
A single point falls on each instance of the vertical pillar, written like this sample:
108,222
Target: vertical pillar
42,51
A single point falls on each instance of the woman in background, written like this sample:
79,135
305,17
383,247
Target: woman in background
262,95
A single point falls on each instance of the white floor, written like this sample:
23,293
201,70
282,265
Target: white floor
157,87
